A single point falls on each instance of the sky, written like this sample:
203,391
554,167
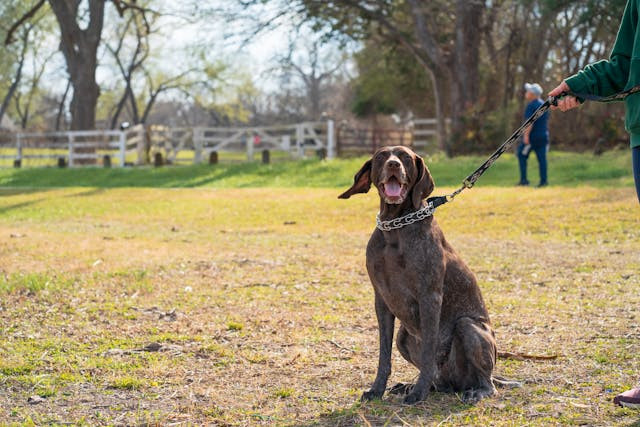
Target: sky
221,39
178,32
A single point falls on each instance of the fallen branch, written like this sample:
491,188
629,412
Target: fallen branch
341,347
364,419
521,356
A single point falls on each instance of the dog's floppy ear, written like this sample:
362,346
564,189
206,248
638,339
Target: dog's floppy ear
424,183
361,181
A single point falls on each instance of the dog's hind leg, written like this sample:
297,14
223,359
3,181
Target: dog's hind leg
471,360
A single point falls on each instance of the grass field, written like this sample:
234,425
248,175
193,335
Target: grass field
567,169
247,301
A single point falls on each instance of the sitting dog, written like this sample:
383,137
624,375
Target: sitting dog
418,278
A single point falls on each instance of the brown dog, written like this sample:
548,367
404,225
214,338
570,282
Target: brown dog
418,278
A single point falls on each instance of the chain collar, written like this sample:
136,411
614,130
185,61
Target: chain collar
400,222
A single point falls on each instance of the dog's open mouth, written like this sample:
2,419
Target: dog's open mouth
394,190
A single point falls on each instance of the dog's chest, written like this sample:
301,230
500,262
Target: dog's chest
396,269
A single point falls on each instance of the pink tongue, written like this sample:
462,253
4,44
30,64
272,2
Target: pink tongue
392,188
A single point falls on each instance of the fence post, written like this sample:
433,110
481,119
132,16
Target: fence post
141,142
331,139
198,143
249,147
300,139
19,147
123,147
70,139
213,158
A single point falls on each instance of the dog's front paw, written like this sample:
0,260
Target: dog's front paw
371,395
414,397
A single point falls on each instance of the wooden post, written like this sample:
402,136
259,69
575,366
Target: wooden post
18,149
213,158
157,160
70,139
122,145
106,161
198,144
300,139
249,143
144,145
266,157
331,140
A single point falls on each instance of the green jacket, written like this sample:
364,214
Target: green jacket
620,72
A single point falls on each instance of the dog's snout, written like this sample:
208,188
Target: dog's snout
393,164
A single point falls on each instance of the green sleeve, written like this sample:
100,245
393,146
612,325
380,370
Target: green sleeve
608,77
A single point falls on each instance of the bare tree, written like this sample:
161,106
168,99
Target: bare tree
137,58
314,70
24,40
80,49
24,101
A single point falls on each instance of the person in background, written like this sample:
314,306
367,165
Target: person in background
608,77
535,137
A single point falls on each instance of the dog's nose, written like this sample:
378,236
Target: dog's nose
393,164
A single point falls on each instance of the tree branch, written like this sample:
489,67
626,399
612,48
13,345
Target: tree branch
9,39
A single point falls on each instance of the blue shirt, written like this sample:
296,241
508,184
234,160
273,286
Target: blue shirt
540,130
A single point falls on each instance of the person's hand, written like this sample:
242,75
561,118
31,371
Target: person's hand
567,102
525,139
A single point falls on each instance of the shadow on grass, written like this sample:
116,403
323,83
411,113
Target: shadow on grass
436,408
6,192
566,169
85,193
16,191
5,209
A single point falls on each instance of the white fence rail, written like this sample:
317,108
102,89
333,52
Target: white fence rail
425,132
293,139
73,147
138,144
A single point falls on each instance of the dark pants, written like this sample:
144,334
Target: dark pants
635,156
541,153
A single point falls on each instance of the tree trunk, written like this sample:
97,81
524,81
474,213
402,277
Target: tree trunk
61,105
314,98
438,86
80,48
84,99
464,73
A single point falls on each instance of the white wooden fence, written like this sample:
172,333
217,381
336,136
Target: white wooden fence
425,132
293,139
75,147
137,144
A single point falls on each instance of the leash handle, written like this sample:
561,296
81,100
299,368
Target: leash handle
620,96
470,180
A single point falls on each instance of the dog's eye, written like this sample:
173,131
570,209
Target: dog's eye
380,156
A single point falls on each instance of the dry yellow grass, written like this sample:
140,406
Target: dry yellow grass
261,305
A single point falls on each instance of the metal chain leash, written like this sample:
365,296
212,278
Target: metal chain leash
469,181
400,222
551,101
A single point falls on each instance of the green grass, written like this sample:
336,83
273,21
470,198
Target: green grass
610,169
272,318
